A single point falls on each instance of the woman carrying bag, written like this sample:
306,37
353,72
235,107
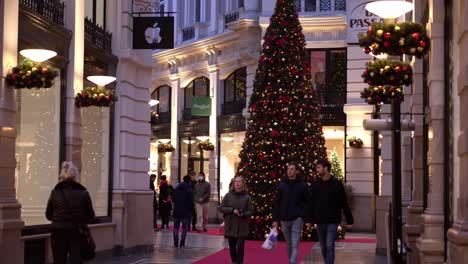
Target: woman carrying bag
70,210
237,208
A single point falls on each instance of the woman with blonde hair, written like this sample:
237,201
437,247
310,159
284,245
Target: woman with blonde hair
237,208
70,210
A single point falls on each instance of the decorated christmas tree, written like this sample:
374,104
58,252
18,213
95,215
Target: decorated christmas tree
284,124
336,166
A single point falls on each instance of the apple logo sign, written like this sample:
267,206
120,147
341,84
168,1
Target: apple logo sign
153,34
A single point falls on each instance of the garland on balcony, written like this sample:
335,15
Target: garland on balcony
388,72
205,145
92,96
165,147
31,75
395,39
355,142
382,94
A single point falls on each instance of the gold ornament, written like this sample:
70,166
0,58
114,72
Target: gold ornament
397,28
401,42
380,32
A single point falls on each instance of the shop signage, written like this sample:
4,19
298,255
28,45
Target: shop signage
359,19
201,106
232,123
153,32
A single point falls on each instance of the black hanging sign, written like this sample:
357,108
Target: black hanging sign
153,32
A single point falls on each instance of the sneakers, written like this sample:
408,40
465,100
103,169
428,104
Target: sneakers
176,245
182,245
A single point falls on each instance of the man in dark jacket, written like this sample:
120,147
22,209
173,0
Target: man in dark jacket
155,202
288,208
327,201
193,181
183,208
69,207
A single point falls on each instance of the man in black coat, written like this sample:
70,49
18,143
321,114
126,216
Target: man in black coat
193,182
155,202
183,208
327,202
288,207
69,207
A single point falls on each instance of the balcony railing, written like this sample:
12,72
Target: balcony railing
188,33
98,35
320,5
233,107
52,10
231,17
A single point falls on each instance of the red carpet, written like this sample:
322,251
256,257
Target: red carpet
358,240
210,232
254,253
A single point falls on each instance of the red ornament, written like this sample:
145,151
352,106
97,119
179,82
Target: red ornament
422,43
416,36
13,76
369,31
367,50
386,44
84,95
404,68
387,35
108,98
397,69
44,70
364,72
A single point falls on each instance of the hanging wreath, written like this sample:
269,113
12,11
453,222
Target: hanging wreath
165,147
205,145
382,94
395,39
355,142
31,75
92,96
388,72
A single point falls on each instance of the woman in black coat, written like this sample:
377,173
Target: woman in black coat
165,201
69,207
155,202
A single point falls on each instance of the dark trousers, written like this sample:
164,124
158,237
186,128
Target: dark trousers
236,249
155,217
165,211
327,234
194,219
185,224
66,242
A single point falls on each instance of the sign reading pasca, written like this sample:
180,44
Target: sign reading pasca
201,106
153,32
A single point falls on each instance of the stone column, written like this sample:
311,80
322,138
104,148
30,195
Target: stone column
213,133
406,175
75,10
176,110
11,224
412,228
431,242
458,234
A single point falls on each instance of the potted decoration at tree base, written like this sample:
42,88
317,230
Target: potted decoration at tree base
165,147
31,75
95,96
205,145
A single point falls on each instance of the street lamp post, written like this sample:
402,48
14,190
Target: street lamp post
389,11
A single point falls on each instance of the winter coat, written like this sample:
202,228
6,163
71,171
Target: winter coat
234,225
183,201
202,192
155,201
327,201
69,205
165,198
290,200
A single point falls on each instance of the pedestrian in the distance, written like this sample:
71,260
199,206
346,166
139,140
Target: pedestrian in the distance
237,208
202,200
155,202
288,209
165,201
193,181
327,201
183,208
69,207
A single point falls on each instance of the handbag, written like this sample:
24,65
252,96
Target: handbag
87,245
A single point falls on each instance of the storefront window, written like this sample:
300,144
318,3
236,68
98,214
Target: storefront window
235,87
163,95
37,149
95,135
193,159
198,87
335,144
231,144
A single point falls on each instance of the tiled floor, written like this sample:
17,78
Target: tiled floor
200,246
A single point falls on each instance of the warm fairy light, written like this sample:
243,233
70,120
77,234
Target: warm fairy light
38,55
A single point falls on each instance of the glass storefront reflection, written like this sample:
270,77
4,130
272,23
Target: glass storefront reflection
193,159
231,144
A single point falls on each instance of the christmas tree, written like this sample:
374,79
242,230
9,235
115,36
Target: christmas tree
336,166
284,124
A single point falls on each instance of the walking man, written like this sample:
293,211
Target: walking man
193,182
183,208
327,201
288,208
202,200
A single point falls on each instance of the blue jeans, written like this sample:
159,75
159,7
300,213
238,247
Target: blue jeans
292,233
327,234
185,224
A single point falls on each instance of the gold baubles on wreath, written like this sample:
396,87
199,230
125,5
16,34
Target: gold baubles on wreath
95,96
31,75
